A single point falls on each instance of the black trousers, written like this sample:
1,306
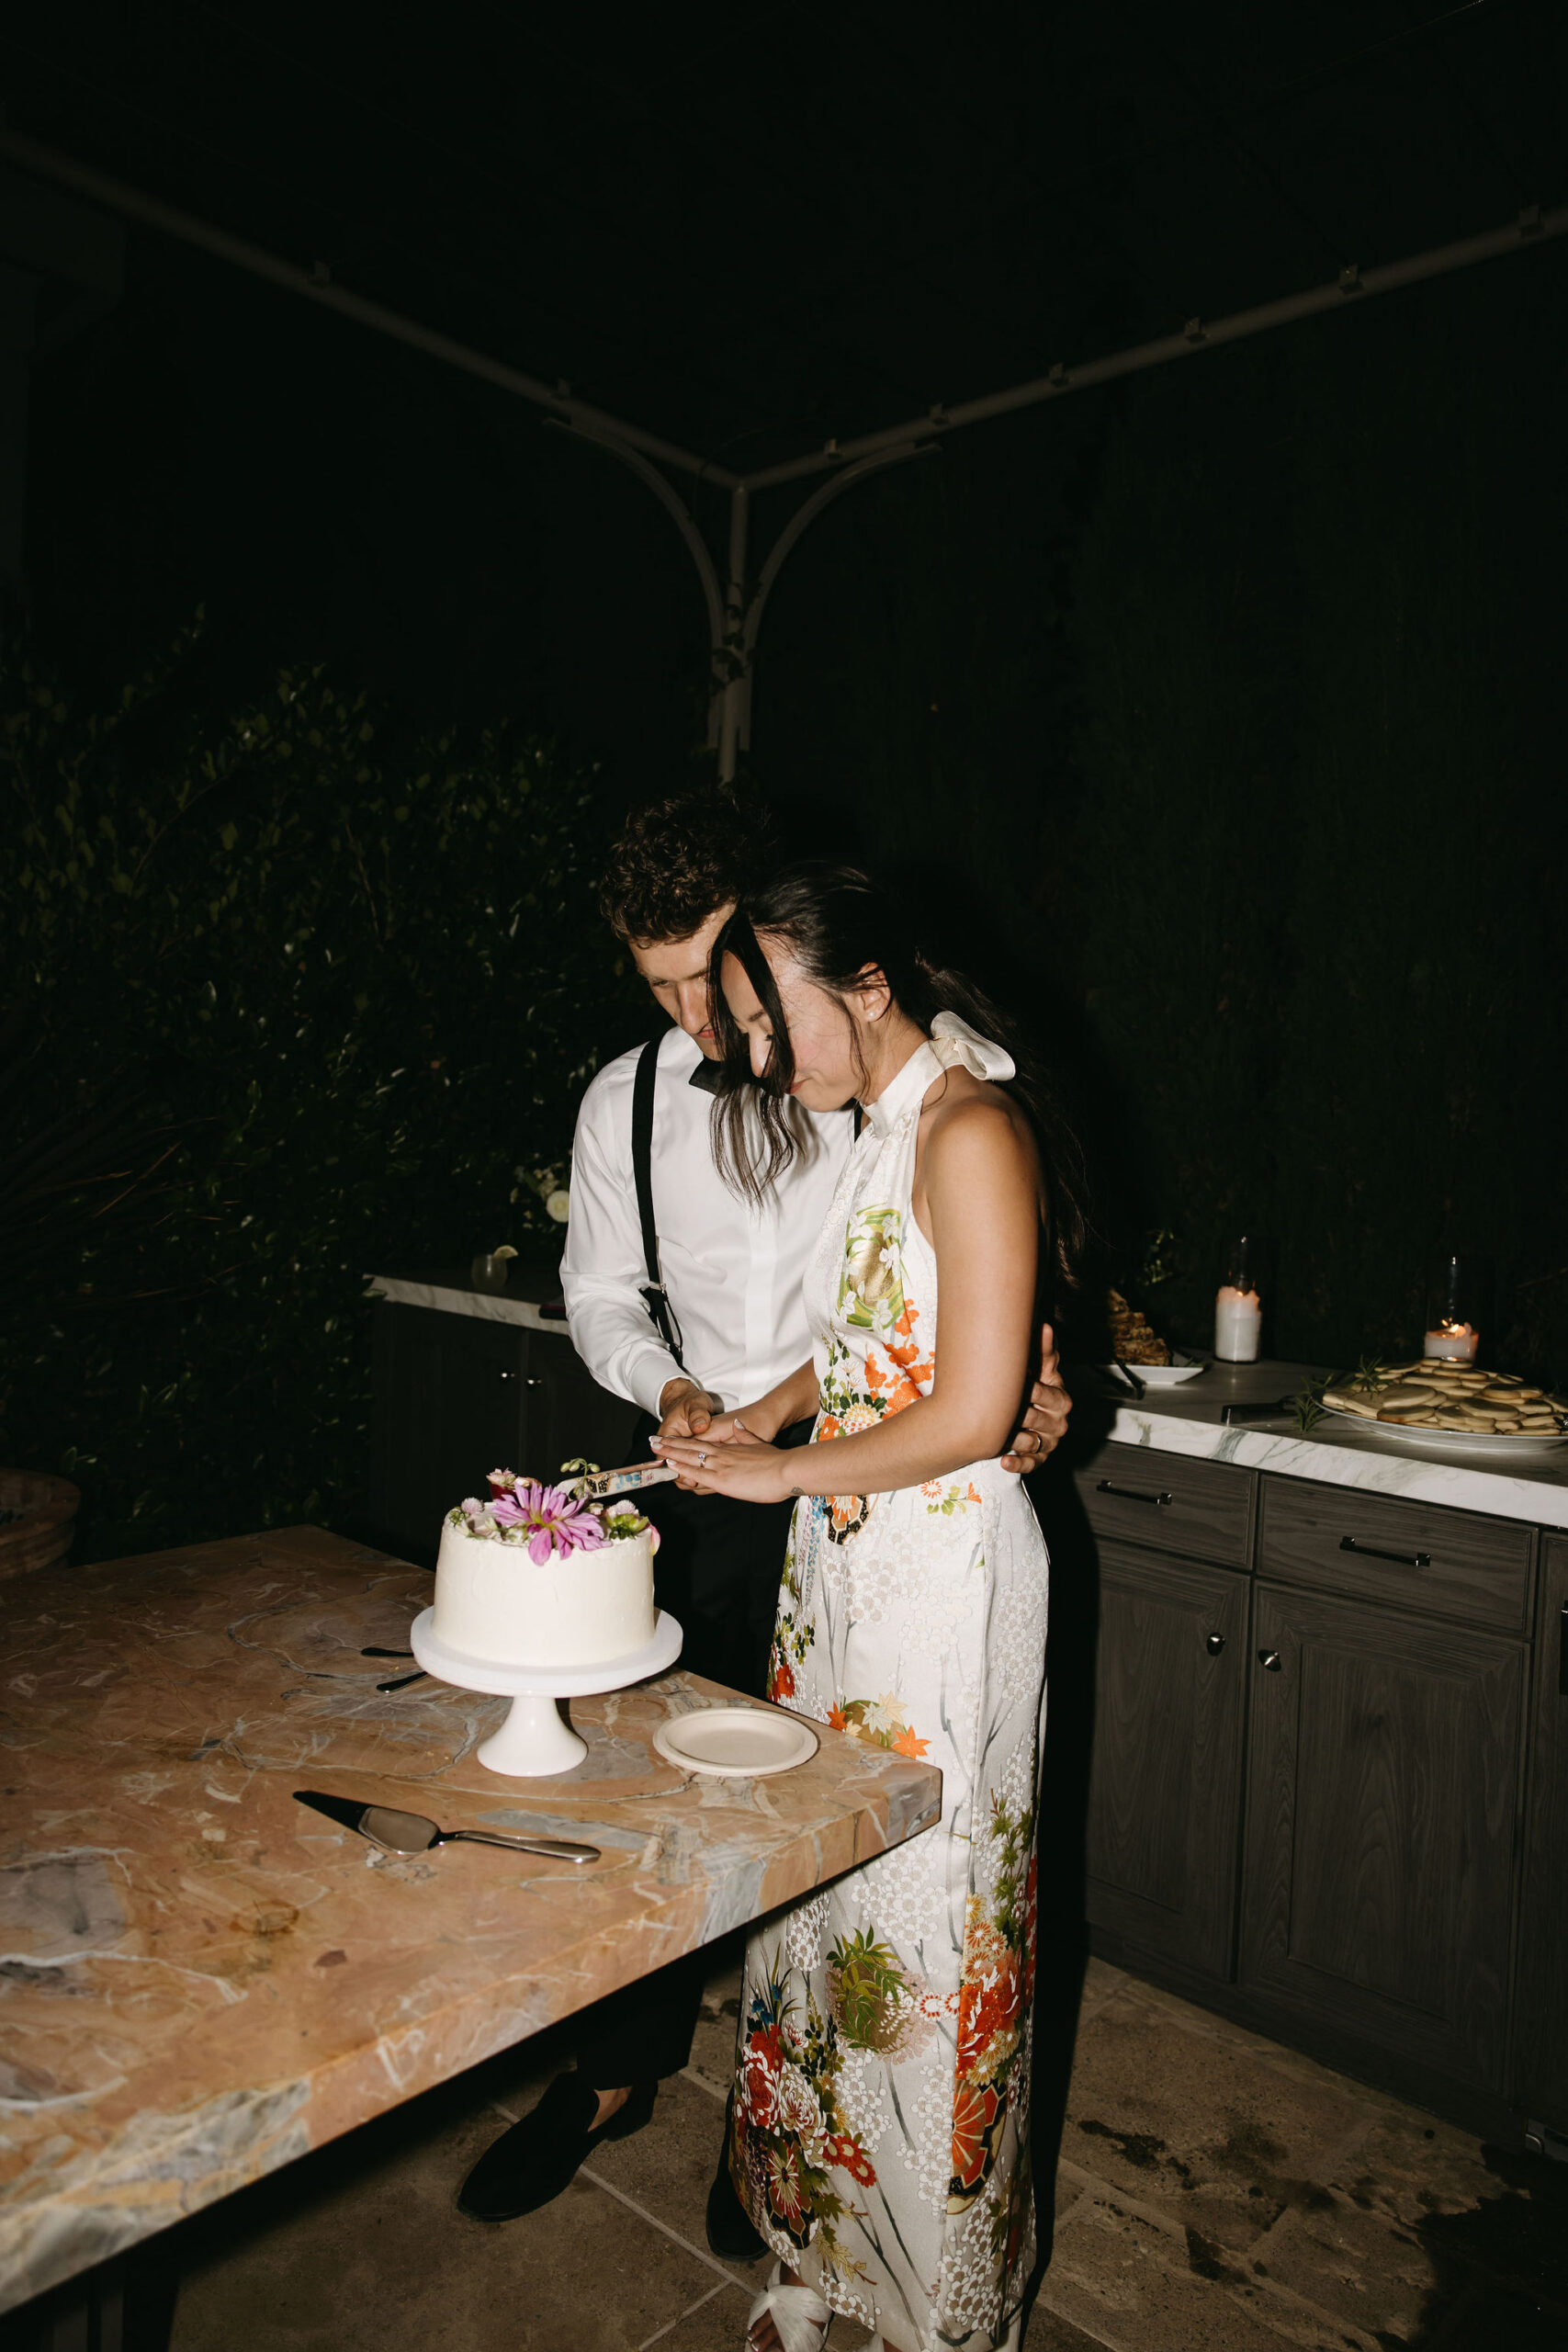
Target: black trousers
717,1571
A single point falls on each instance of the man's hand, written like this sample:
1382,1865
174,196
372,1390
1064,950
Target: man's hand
1044,1424
686,1410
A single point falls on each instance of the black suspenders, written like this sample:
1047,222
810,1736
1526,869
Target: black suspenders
653,1293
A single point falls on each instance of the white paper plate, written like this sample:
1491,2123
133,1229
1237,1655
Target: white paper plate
1154,1375
735,1742
1478,1442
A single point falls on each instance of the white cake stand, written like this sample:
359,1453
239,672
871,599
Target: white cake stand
533,1743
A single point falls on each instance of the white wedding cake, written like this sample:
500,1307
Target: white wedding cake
539,1576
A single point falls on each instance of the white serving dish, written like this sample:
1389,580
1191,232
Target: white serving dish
1481,1442
1156,1375
735,1742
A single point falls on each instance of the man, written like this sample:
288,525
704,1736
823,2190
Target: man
685,1300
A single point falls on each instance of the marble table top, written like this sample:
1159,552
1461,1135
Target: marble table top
454,1294
1335,1452
201,1979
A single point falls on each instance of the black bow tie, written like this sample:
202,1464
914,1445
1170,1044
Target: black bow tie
705,1078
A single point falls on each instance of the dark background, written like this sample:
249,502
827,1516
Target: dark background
1221,707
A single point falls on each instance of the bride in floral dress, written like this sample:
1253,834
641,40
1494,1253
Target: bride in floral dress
880,2133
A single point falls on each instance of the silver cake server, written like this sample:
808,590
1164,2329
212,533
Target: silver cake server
412,1833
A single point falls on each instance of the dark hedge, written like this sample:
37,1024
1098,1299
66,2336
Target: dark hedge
287,1002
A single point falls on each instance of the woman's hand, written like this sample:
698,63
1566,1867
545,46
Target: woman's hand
739,1466
1044,1424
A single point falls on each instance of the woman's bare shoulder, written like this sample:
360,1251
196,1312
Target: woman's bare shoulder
974,1121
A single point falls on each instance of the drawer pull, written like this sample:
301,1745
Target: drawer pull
1371,1552
1562,1651
1214,1645
1134,1494
1270,1659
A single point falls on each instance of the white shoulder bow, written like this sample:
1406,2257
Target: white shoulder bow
953,1041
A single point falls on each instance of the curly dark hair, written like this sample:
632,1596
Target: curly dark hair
677,861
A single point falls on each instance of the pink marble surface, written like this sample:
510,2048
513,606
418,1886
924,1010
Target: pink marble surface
201,1979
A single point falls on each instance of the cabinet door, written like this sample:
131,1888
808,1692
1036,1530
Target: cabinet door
1542,2077
1165,1792
1383,1790
448,1404
567,1416
456,1396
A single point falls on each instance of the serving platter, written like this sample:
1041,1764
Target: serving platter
1483,1444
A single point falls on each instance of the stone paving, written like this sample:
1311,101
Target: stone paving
1216,2193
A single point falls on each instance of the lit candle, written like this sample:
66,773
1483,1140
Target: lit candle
1238,1318
1456,1343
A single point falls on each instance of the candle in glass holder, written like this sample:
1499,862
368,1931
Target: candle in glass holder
1238,1319
1455,1310
1238,1310
1455,1342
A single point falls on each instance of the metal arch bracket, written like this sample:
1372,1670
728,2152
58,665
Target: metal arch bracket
674,505
734,619
808,513
730,722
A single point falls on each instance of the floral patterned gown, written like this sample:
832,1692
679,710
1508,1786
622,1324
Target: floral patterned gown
880,2137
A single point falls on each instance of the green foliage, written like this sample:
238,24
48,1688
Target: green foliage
347,997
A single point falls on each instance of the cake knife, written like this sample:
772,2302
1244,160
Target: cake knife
597,1484
414,1833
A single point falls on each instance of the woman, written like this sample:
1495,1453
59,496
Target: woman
880,2118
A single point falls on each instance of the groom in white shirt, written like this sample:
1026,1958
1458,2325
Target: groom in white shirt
686,1298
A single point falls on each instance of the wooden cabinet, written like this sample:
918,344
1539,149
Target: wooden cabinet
1382,1798
456,1394
1165,1788
1421,1556
1171,1503
1329,1781
1541,2058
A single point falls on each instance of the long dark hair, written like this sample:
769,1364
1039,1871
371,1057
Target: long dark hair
837,923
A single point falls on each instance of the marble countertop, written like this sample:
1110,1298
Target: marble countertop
1340,1452
201,1979
451,1292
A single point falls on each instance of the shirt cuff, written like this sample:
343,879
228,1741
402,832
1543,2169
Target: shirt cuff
649,1373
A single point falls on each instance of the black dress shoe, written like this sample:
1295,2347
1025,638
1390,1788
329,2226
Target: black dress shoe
730,2235
536,2158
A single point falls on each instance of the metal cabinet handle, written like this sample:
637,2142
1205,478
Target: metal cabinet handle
1133,1494
1214,1645
1271,1659
1371,1552
1562,1651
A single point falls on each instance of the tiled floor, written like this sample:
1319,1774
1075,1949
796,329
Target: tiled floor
1216,2194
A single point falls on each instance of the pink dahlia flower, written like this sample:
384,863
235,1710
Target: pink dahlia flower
562,1521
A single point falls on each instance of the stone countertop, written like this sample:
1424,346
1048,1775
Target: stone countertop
529,1290
201,1979
1335,1452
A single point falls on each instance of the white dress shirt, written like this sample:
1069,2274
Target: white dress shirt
732,1271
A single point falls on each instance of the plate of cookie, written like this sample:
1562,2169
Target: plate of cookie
1437,1407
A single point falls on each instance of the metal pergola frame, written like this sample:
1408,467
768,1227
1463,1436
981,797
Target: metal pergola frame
736,606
